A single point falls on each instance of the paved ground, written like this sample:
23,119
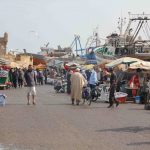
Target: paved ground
54,124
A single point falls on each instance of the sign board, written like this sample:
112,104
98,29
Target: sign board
105,51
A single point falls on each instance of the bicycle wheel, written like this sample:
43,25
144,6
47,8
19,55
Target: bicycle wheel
94,95
89,101
83,101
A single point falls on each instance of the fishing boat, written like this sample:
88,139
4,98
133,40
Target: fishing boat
128,42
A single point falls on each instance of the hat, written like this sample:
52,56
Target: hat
77,69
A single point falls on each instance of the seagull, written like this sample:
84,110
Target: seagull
35,33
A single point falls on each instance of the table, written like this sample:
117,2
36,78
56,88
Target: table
3,86
129,92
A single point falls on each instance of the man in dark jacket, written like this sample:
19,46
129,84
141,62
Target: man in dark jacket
29,78
113,79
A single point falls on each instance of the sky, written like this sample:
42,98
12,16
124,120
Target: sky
32,23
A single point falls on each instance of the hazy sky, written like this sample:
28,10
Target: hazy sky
32,23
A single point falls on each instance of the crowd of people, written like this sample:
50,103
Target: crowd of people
116,78
16,76
78,78
28,77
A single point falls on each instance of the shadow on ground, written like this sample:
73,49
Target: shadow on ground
134,129
136,108
139,143
59,104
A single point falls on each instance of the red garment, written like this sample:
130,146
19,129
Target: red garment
134,83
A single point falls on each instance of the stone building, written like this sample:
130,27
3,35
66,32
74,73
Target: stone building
3,44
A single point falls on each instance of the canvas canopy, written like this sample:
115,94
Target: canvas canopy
124,60
41,66
87,67
142,65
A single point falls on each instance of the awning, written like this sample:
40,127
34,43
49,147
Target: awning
124,60
142,65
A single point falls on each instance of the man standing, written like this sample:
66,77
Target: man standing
112,89
45,73
69,73
93,78
77,83
15,78
20,78
29,77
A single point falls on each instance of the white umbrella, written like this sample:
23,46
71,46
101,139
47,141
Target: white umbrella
124,60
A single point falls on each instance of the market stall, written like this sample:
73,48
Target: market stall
71,66
4,79
145,66
41,67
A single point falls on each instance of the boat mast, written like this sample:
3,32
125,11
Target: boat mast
93,41
121,23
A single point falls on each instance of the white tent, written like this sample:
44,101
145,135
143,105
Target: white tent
142,65
124,60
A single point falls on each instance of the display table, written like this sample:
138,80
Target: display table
104,92
3,86
129,92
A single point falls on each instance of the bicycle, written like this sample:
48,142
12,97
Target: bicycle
86,96
96,93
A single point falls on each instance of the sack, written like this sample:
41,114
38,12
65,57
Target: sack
2,100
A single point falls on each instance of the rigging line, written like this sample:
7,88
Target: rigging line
138,30
135,32
148,44
147,33
144,33
147,29
148,26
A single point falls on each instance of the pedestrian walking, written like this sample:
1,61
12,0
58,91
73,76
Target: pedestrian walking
45,73
15,78
20,78
29,77
77,83
41,77
93,78
112,89
69,73
35,76
10,73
